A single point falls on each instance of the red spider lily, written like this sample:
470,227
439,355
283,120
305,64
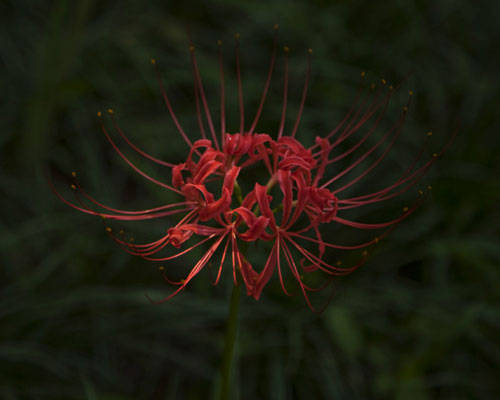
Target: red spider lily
288,210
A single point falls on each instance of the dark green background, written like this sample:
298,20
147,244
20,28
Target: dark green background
419,321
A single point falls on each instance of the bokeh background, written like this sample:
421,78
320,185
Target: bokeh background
419,321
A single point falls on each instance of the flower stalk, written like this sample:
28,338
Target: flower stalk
229,343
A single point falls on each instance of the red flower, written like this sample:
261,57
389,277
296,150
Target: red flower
287,210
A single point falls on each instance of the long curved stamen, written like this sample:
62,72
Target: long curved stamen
199,84
134,167
222,95
127,212
169,106
324,266
396,128
379,225
285,93
364,138
268,81
360,117
240,85
114,216
304,93
344,120
137,149
199,118
196,269
223,258
332,245
295,273
181,253
278,262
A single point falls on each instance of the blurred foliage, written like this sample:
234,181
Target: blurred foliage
419,321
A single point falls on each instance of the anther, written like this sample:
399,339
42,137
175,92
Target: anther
161,267
276,27
73,174
391,87
131,240
420,192
153,61
410,92
339,263
73,186
309,50
372,86
108,229
110,111
376,240
286,49
191,48
237,36
121,232
365,253
383,81
429,133
435,155
405,209
405,108
363,74
99,114
429,187
219,42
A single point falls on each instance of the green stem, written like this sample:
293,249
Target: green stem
231,330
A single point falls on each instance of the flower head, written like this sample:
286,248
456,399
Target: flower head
287,209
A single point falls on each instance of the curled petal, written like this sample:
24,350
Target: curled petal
285,181
249,275
230,178
177,236
206,170
214,208
177,179
256,225
197,193
264,205
237,144
266,273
